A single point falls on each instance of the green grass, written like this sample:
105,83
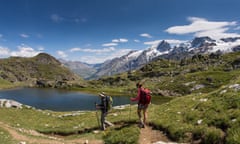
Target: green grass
209,118
122,135
5,137
5,84
212,117
81,125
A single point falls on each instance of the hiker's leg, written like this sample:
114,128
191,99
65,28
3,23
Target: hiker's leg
139,113
145,115
103,121
107,123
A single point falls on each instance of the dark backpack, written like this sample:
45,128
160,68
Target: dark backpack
145,96
109,103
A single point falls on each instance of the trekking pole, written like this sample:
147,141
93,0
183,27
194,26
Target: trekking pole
130,110
97,116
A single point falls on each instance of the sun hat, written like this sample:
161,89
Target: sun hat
102,94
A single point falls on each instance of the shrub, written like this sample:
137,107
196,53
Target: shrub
233,136
213,135
125,135
181,133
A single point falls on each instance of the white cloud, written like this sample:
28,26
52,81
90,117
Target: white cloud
24,51
152,42
93,59
136,40
175,42
146,35
1,35
24,35
62,54
40,48
104,50
4,51
56,18
109,44
217,33
122,40
78,20
170,41
203,27
115,40
119,53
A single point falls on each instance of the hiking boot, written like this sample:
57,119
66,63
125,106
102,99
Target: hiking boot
141,125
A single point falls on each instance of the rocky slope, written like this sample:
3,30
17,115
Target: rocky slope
82,69
41,70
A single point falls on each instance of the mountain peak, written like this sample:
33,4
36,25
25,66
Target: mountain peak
199,41
45,58
163,46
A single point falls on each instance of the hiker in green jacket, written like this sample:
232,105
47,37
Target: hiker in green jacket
103,106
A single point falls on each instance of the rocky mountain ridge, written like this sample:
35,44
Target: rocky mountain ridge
42,70
137,59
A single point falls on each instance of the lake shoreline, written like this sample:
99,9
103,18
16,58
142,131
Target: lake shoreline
57,99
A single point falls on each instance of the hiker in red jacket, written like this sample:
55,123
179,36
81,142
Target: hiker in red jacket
143,98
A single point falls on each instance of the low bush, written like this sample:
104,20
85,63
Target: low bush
233,136
125,135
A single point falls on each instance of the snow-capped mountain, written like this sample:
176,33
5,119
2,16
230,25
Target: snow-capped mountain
136,59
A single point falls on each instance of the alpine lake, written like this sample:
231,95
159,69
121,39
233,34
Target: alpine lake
63,100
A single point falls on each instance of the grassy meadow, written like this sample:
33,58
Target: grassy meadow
202,104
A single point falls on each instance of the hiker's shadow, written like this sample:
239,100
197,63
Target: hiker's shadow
123,124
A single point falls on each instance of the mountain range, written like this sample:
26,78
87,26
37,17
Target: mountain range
136,59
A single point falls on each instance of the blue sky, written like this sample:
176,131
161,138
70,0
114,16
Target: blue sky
93,31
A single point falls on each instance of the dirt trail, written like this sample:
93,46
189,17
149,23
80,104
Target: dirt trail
149,136
33,137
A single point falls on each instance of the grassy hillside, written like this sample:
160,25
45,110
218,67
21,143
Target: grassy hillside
205,118
201,73
42,70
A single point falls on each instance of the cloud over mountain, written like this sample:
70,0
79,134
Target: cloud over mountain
203,27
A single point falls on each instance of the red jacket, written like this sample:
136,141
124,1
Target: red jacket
138,95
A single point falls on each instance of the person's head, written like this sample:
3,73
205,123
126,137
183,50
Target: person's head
138,85
102,94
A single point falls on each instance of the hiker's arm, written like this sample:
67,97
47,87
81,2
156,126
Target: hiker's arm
99,106
138,96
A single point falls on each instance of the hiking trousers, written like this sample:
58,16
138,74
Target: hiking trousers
103,120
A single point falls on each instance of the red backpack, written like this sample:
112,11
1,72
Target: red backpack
145,96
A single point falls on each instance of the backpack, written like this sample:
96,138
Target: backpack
109,103
145,96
